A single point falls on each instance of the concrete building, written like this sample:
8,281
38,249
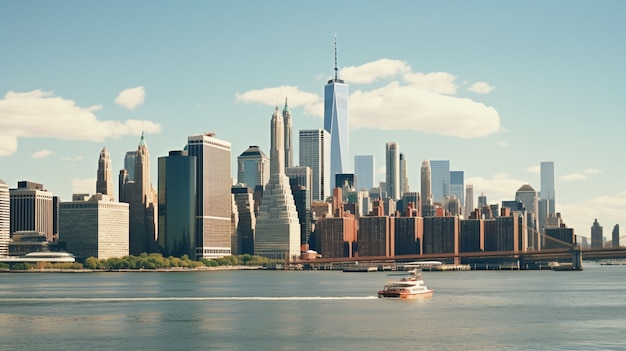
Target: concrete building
32,209
472,235
96,228
441,235
253,168
177,204
213,195
404,177
469,200
104,181
315,154
277,226
559,238
300,180
335,236
5,219
408,232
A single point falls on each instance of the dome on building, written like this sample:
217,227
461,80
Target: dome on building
526,188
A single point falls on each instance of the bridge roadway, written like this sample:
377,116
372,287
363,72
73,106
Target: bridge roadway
588,254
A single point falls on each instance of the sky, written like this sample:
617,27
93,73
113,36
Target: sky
496,87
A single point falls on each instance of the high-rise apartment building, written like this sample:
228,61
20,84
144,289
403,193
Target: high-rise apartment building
336,122
425,186
213,195
288,130
315,153
457,186
253,168
597,237
5,219
440,179
392,170
142,202
104,181
547,191
277,226
32,209
403,174
96,228
364,171
177,204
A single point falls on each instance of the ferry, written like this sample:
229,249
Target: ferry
406,288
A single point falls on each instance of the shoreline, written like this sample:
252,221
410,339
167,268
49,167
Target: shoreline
139,270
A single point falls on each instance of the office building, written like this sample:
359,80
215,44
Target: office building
5,219
142,203
440,179
300,181
277,226
288,131
364,171
530,202
547,191
104,181
336,122
482,201
408,235
96,228
457,187
32,209
246,220
559,238
253,168
392,170
469,200
335,236
177,204
213,195
597,238
404,178
315,153
615,236
129,164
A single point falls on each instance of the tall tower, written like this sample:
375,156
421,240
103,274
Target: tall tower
469,199
597,237
392,170
104,182
336,121
404,178
440,179
425,182
213,195
547,185
364,171
129,164
288,136
457,186
277,226
5,219
315,153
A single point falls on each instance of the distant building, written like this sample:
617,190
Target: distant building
95,228
177,204
25,241
288,131
472,235
615,236
559,238
408,235
403,175
547,191
246,226
32,209
335,236
213,195
300,180
597,238
253,168
364,171
457,188
104,181
441,235
315,153
392,170
440,179
469,200
376,236
129,165
5,218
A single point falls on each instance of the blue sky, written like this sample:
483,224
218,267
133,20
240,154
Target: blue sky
495,87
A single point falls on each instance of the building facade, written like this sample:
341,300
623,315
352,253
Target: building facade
288,131
104,181
5,218
315,153
392,170
253,168
440,179
364,171
597,236
547,190
32,209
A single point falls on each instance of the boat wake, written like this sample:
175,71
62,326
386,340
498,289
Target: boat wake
175,298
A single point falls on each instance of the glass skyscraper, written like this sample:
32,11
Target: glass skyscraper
336,122
364,171
440,179
392,170
547,185
457,186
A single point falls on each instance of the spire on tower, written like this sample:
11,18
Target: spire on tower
142,141
336,70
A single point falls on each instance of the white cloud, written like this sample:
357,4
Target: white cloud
41,114
481,88
608,209
8,144
533,169
573,177
41,154
276,96
497,189
84,186
503,143
373,71
436,82
416,101
592,171
131,98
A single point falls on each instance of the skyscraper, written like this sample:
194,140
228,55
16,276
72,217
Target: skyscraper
469,199
547,191
425,182
32,209
315,153
457,186
404,178
364,171
213,195
336,121
288,136
615,236
177,204
5,219
253,168
129,164
597,238
277,226
104,182
440,179
392,170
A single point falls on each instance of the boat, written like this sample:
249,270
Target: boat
411,287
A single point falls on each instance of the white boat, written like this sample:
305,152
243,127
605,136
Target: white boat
411,287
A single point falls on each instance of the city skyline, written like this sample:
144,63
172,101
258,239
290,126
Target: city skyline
547,92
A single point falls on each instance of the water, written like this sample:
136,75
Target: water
315,310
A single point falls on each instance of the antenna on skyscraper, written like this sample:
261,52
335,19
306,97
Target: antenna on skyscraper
336,75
